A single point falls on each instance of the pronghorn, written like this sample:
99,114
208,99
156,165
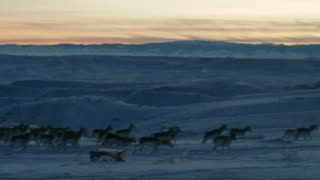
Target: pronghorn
98,132
5,134
18,130
153,142
46,139
71,137
59,129
240,132
125,132
167,135
223,141
116,140
289,133
58,132
213,133
22,140
35,134
101,133
305,132
108,155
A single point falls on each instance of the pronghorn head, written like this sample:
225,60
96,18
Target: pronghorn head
314,127
233,136
248,128
175,129
132,140
109,128
178,129
83,131
122,155
224,127
131,126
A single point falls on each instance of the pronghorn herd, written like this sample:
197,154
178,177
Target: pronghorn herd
123,137
163,138
222,139
23,135
298,133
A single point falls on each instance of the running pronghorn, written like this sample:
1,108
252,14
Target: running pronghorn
213,133
35,134
168,135
153,142
101,133
57,131
240,132
46,140
126,132
21,129
71,138
223,141
22,140
108,155
116,140
289,133
5,134
305,132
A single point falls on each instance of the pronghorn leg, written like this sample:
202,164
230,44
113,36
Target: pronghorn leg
216,148
141,147
25,145
204,139
50,146
77,144
155,148
285,137
63,146
134,147
219,149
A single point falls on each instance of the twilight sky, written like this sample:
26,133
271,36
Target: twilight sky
144,21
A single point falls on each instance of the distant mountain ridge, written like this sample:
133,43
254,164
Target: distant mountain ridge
171,49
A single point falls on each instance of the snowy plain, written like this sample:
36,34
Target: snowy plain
196,94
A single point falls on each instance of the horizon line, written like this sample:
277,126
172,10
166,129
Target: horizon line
158,42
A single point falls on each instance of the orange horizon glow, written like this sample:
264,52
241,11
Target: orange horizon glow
47,22
128,43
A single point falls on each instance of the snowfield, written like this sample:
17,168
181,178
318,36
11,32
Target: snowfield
267,158
155,93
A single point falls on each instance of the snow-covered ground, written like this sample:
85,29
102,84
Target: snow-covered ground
268,158
156,93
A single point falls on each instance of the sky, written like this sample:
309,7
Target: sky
147,21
